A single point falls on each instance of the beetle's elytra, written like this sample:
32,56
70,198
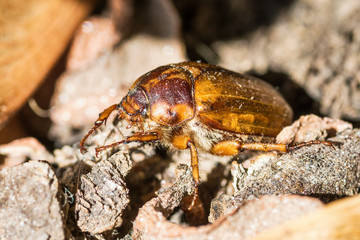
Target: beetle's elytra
197,106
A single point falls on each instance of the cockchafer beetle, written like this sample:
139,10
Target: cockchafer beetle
198,106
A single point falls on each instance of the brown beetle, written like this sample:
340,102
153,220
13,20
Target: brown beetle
197,106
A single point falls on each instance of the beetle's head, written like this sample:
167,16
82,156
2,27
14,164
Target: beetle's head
134,106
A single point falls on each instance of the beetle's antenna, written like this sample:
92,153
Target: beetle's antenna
102,119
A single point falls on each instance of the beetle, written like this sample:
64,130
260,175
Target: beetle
198,106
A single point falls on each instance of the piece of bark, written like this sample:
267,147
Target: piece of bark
102,195
311,127
337,220
21,150
257,216
315,44
312,170
317,170
31,203
161,207
35,34
247,221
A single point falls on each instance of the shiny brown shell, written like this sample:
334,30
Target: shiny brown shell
219,98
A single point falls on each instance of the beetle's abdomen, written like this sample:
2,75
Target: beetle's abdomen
232,102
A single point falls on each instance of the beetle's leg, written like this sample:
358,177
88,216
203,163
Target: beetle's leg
191,205
299,145
229,148
184,142
102,118
146,137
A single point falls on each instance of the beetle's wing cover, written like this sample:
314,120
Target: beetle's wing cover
233,102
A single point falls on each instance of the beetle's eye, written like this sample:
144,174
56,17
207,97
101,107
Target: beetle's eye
138,101
143,111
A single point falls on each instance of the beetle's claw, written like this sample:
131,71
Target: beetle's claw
83,150
335,144
98,150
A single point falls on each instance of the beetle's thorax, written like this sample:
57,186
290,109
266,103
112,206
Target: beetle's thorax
169,94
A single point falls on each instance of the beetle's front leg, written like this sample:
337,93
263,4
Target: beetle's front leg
101,119
145,137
